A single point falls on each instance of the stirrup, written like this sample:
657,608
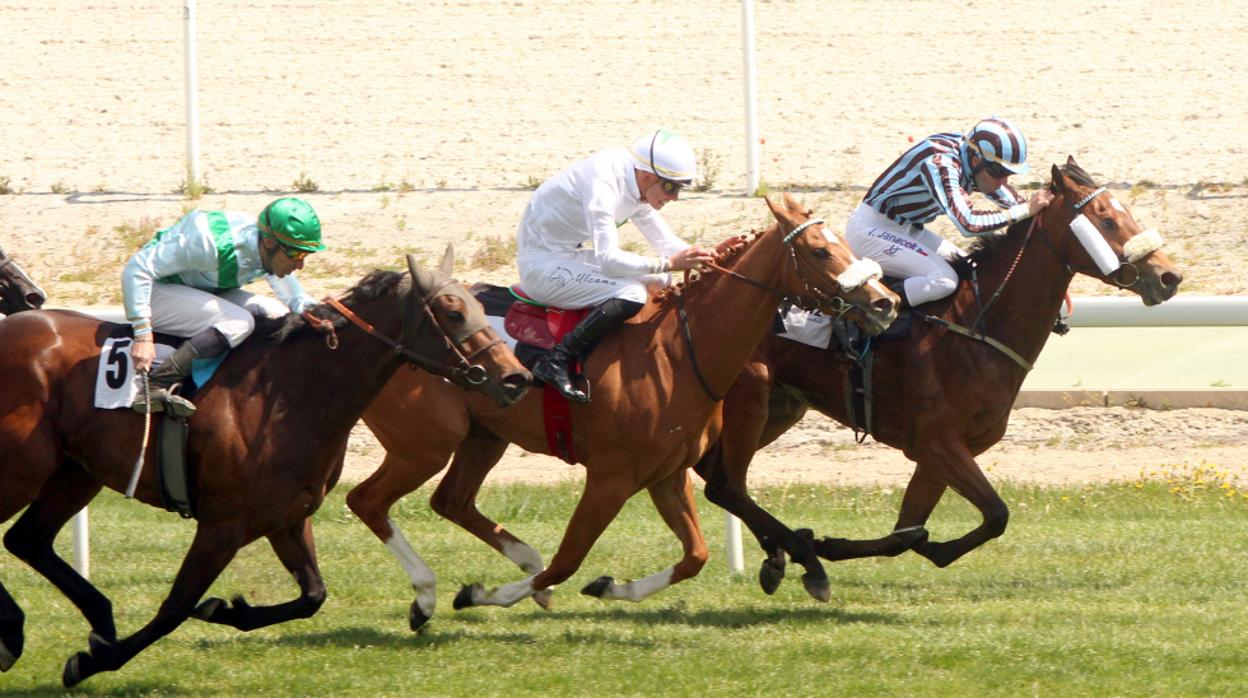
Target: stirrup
545,370
164,400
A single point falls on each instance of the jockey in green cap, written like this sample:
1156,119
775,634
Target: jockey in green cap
187,281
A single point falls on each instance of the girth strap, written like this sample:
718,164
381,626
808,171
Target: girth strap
995,344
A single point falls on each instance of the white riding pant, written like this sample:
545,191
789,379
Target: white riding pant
904,251
183,311
576,282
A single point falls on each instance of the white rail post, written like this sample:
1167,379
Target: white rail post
736,560
751,109
192,99
82,544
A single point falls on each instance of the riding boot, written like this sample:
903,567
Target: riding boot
164,379
898,286
555,367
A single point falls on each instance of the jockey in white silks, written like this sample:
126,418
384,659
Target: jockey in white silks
568,247
187,282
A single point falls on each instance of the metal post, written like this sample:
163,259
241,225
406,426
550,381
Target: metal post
192,99
736,559
82,544
751,109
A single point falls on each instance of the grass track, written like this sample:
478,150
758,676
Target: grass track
1133,589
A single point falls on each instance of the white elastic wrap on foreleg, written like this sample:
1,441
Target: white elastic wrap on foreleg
859,273
1142,245
1092,240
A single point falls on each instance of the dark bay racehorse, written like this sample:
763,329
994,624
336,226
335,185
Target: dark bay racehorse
264,449
940,397
656,388
17,291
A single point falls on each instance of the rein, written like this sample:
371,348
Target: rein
462,370
838,305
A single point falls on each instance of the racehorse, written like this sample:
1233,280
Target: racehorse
657,384
17,291
940,396
265,447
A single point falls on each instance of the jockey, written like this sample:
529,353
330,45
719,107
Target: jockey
568,246
187,282
936,176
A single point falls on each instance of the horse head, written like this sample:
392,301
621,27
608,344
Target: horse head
1096,235
825,268
17,291
473,355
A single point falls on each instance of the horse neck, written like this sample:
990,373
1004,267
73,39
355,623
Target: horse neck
1031,291
330,389
728,317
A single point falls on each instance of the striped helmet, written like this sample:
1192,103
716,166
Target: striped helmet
996,140
667,155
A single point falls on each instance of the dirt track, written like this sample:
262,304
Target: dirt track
426,123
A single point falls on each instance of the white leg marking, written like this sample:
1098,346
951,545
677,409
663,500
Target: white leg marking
506,595
639,589
424,581
525,556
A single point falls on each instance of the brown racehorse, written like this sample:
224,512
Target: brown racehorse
940,397
657,383
17,291
265,447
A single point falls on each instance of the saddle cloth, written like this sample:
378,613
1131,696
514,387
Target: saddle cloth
116,382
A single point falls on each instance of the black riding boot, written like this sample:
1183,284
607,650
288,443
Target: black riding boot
898,286
555,368
173,370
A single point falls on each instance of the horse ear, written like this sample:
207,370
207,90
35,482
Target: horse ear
781,213
1070,161
1059,179
447,266
794,206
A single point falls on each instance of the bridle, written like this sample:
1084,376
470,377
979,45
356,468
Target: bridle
5,262
1127,262
816,300
461,370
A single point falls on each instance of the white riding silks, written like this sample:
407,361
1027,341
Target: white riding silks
1092,240
1142,245
859,273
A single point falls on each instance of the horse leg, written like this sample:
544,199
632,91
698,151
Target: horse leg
211,550
296,549
399,474
955,466
673,497
456,496
30,539
922,494
600,503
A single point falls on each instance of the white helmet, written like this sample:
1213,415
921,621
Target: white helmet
667,155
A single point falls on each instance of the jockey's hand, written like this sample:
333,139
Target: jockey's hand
690,257
1039,201
143,351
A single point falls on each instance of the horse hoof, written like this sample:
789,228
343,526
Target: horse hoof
598,587
770,575
544,598
207,609
7,658
416,617
74,672
818,587
910,536
464,598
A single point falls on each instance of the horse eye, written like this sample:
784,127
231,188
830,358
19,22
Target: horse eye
822,253
1109,225
455,316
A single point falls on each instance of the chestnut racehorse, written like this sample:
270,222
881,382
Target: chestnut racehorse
940,397
656,384
265,447
17,291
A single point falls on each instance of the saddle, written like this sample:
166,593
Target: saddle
537,328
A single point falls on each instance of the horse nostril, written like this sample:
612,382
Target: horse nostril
883,305
1171,279
35,300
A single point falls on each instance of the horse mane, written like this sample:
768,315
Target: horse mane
984,245
725,251
377,284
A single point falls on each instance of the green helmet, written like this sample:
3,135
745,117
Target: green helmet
293,223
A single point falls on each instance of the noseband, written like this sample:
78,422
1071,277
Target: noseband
461,371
